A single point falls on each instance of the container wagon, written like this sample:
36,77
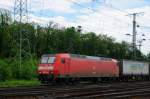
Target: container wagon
137,70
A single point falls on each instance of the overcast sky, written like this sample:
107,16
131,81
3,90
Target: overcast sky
101,16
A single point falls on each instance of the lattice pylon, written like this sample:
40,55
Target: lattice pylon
20,11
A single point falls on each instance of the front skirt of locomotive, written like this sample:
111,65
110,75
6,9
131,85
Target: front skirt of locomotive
44,78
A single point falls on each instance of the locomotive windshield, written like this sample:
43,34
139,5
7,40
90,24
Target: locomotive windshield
46,59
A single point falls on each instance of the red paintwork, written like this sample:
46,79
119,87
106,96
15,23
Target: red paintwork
93,68
44,70
81,67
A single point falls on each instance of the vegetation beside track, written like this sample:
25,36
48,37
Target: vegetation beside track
10,69
16,83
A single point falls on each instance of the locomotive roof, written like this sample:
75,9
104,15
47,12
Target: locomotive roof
48,55
84,56
90,57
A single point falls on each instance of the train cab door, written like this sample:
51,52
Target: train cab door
65,63
67,66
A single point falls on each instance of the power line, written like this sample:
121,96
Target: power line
111,6
147,27
94,10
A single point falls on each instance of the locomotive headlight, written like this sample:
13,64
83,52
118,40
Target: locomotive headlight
50,68
46,68
40,68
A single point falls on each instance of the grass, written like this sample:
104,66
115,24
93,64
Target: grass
15,83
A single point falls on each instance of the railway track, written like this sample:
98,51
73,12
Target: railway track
94,91
111,92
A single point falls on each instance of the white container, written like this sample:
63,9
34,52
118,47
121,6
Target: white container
135,68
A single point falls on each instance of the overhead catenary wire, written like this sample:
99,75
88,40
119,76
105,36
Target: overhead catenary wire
91,9
97,11
103,13
147,27
111,6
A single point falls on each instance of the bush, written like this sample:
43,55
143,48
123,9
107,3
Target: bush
28,69
5,70
11,69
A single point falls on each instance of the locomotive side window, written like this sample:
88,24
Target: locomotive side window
63,61
51,59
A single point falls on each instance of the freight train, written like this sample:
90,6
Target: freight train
66,67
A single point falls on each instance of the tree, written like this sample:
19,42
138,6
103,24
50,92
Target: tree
5,36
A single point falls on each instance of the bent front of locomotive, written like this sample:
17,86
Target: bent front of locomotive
46,68
51,66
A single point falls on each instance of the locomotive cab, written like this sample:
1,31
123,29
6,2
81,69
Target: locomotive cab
46,67
53,67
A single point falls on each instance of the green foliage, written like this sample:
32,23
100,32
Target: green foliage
5,70
12,70
28,70
148,57
15,83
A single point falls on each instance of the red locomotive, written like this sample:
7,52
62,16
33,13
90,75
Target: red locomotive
72,66
75,67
